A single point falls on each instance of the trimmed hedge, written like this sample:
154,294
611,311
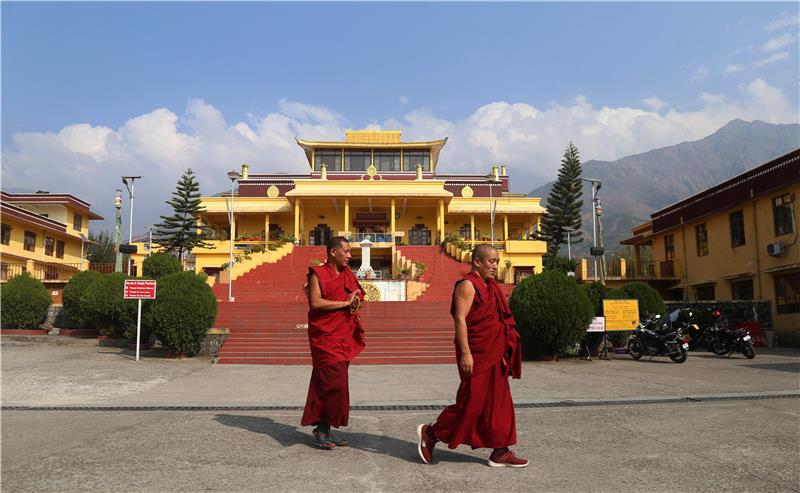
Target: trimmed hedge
183,311
552,312
25,301
161,264
596,291
73,295
650,301
106,309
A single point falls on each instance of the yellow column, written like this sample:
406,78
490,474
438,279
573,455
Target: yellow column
392,221
472,229
346,216
441,219
505,227
266,228
297,219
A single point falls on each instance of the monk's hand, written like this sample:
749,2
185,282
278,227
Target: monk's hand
465,365
350,300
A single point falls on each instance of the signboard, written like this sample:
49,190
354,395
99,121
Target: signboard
598,325
139,289
621,314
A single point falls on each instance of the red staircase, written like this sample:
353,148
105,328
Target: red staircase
267,321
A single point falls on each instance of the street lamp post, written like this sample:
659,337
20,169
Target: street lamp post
232,176
130,223
117,231
569,231
596,211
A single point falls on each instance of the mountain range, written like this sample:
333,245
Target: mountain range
635,186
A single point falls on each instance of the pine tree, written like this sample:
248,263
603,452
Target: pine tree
564,204
179,232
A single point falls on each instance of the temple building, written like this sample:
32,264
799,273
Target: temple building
373,186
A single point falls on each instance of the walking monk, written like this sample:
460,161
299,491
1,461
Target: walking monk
488,351
336,337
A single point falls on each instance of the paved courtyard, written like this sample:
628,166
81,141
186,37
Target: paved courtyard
726,424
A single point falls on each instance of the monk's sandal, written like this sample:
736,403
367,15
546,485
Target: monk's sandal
323,440
336,440
425,443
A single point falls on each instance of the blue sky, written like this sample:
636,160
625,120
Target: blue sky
153,88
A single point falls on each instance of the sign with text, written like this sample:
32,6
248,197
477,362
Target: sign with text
598,325
139,289
621,314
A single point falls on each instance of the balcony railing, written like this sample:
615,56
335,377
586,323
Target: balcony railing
54,272
642,270
373,237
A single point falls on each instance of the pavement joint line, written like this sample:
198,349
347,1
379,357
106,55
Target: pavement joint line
418,406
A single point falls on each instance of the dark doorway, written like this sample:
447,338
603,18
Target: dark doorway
321,234
419,235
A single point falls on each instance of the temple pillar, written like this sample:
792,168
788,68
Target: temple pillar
297,219
346,227
472,229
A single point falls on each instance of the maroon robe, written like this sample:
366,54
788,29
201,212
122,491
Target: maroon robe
483,415
335,337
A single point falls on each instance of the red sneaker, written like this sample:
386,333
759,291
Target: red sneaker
425,443
506,458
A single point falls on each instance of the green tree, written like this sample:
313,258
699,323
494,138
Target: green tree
101,250
179,232
564,204
25,301
161,264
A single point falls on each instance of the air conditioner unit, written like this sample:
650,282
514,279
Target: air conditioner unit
775,249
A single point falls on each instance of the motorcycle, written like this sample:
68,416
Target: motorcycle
726,341
654,337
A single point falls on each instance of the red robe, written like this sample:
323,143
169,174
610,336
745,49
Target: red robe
483,415
335,337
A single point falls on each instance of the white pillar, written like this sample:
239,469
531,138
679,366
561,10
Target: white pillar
366,267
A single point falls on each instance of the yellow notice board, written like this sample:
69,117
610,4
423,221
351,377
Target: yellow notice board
621,314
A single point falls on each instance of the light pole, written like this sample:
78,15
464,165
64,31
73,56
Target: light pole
130,223
233,175
117,231
569,231
596,211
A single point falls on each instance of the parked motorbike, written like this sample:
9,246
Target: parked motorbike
656,337
726,341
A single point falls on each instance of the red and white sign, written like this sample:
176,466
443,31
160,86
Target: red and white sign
140,289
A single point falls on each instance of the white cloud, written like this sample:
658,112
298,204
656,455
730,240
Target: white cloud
783,22
87,159
776,57
733,68
778,43
700,74
654,103
404,100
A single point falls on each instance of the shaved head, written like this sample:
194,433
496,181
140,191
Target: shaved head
335,243
482,251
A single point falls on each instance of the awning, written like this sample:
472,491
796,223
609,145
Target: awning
703,282
736,276
782,268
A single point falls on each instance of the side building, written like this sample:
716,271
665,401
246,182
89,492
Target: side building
374,186
737,240
45,235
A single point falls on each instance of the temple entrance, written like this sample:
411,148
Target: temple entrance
320,235
275,232
419,235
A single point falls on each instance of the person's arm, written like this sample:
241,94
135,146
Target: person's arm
318,303
465,293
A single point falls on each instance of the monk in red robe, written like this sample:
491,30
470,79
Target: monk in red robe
336,337
488,351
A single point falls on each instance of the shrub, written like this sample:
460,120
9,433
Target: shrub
596,291
183,312
161,264
650,301
25,301
73,294
558,263
552,312
106,309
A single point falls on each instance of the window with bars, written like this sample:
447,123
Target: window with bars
331,157
737,228
60,249
742,290
387,160
357,160
29,243
701,237
669,247
787,293
5,234
49,246
782,214
77,222
411,158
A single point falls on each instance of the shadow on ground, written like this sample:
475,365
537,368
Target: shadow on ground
287,436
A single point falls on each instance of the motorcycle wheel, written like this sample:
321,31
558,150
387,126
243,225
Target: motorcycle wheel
680,357
749,351
635,349
719,348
